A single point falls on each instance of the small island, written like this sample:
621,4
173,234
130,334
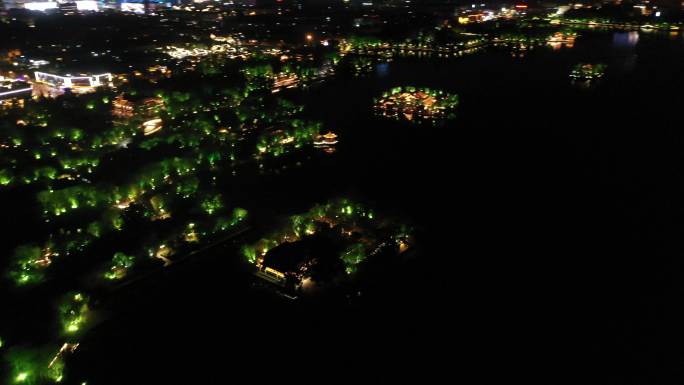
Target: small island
323,247
416,104
587,72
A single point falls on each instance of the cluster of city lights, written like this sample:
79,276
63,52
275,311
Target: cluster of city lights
229,49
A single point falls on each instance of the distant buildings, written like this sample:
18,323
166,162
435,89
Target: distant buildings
13,92
148,109
46,5
30,4
71,6
49,85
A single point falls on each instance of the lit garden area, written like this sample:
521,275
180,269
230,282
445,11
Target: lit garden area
444,43
168,192
587,72
520,40
124,183
57,141
47,364
360,65
416,104
262,176
325,246
299,134
30,366
290,72
562,39
178,222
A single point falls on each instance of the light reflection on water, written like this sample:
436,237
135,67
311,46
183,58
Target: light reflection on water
625,39
382,69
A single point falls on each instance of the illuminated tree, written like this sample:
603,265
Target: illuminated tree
26,267
239,215
120,265
30,366
250,252
159,205
114,220
73,312
95,229
187,186
352,256
211,203
6,177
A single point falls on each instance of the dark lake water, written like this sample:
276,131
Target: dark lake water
549,218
